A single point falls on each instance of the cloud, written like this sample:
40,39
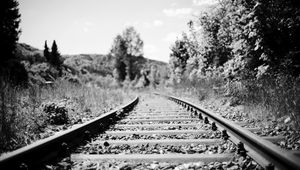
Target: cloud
157,23
150,49
204,2
85,26
177,12
171,37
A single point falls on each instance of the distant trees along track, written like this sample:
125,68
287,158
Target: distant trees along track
169,126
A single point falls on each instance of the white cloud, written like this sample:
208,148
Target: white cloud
85,26
157,23
204,2
171,37
150,49
177,12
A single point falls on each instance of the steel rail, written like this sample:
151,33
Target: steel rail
253,143
58,146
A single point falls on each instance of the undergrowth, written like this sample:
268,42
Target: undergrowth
24,118
266,98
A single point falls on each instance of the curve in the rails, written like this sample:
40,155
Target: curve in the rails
49,149
261,150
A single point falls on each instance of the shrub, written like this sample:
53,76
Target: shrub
56,112
26,113
279,94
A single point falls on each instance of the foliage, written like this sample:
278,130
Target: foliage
33,113
178,59
47,53
279,32
133,41
251,47
99,65
126,48
9,29
10,68
57,113
119,51
53,57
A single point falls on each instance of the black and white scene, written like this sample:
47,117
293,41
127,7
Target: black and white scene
150,85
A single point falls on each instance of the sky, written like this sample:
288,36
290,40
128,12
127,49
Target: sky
89,26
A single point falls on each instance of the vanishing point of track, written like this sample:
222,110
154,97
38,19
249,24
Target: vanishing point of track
158,128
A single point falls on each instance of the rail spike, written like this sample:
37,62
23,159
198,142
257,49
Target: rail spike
253,142
241,149
206,121
213,126
225,135
200,116
195,112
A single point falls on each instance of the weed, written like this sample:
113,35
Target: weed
27,114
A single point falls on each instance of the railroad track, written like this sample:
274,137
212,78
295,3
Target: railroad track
160,132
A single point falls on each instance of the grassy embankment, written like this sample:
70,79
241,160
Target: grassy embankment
262,100
38,112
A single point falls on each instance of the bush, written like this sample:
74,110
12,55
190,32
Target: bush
21,116
279,94
57,113
26,113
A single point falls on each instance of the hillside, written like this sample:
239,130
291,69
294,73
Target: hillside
103,64
85,67
25,52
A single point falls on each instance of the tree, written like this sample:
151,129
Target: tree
153,76
178,59
9,29
134,48
134,43
126,48
118,50
278,27
55,55
10,68
47,53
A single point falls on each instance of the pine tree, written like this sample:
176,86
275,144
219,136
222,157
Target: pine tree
55,56
9,28
10,68
47,53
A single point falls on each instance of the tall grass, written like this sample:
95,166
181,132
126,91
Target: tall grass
202,88
271,96
22,110
276,96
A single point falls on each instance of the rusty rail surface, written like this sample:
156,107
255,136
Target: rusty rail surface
58,146
267,154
